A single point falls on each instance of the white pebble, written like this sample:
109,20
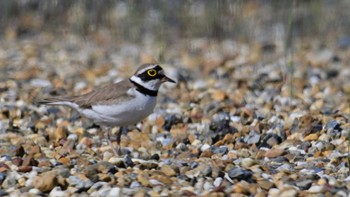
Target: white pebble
217,182
57,192
34,191
205,147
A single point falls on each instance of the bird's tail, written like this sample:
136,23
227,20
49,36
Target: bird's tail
60,100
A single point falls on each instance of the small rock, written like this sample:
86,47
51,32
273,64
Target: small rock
2,176
252,138
272,153
218,95
311,137
208,186
42,83
79,182
304,185
17,161
107,155
44,163
45,182
96,186
240,174
3,193
35,191
168,170
170,120
332,124
20,151
316,189
24,169
115,191
285,168
65,161
128,161
265,184
34,150
57,192
155,157
29,161
289,191
217,181
3,167
135,184
219,150
247,162
270,140
144,180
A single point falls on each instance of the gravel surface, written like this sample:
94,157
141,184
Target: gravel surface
231,125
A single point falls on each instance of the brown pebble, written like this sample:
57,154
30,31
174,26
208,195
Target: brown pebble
206,153
60,133
272,153
218,95
24,169
45,182
144,180
44,163
160,121
260,154
163,179
29,161
20,151
104,177
64,161
242,188
34,150
168,170
265,184
17,161
311,137
3,169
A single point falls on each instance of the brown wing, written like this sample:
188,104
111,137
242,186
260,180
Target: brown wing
106,95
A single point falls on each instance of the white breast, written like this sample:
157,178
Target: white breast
122,114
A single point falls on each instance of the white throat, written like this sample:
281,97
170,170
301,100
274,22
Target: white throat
151,84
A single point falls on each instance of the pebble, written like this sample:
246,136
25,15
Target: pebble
252,138
115,191
240,174
57,192
79,182
45,182
168,170
273,153
316,189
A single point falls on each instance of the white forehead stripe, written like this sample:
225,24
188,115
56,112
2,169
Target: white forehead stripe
147,68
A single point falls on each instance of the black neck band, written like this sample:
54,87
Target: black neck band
144,90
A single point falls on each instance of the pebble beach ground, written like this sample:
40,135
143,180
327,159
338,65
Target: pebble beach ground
231,125
261,107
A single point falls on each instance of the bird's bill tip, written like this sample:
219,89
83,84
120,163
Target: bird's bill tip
167,79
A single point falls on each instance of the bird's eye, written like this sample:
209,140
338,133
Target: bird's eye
152,72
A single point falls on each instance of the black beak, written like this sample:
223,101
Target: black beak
167,79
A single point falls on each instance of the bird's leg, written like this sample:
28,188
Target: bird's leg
119,136
116,152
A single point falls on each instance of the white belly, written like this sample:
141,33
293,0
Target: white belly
127,113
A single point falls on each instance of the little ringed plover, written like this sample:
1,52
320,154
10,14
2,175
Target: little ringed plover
121,104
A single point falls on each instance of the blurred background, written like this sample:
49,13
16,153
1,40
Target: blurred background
269,23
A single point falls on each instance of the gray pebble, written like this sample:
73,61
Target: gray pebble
240,174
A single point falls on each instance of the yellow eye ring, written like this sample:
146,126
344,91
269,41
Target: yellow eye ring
152,72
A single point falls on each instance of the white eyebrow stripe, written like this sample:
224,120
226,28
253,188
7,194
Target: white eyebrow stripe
149,67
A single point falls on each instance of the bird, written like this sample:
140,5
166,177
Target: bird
119,104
